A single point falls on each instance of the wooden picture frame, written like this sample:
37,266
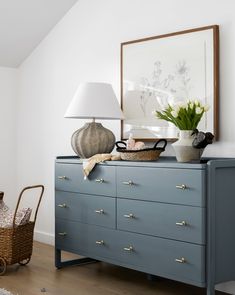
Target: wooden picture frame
166,69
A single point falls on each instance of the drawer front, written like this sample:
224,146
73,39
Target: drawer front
69,236
168,258
84,239
172,259
177,186
101,181
179,222
86,208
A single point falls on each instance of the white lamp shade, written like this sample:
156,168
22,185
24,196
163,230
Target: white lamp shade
94,100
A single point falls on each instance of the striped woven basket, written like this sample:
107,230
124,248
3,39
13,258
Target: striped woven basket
148,154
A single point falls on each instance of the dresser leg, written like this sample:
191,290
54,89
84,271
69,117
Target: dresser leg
59,264
57,258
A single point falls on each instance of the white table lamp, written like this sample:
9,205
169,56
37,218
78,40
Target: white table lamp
93,101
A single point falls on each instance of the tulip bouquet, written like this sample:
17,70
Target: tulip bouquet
184,115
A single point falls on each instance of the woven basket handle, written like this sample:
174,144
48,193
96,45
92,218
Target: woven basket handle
118,143
20,197
160,141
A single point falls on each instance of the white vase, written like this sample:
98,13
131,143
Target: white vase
184,150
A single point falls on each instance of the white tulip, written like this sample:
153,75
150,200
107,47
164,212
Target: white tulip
174,114
186,106
206,108
199,110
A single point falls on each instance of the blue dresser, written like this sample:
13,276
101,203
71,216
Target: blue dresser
175,220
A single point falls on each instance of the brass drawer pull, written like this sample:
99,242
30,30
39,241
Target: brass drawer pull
63,234
100,211
62,177
62,205
130,248
182,223
129,182
129,215
99,180
181,260
181,186
101,242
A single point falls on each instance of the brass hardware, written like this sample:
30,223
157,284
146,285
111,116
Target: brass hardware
100,211
130,248
99,180
101,242
129,182
129,215
62,177
62,234
62,205
182,223
181,260
181,186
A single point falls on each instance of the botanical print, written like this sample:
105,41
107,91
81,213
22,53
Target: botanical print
168,88
158,72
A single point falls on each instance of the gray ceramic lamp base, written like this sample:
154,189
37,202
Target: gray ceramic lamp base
92,139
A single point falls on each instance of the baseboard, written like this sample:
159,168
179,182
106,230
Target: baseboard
44,237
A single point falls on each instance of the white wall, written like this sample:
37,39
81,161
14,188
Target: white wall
85,46
8,91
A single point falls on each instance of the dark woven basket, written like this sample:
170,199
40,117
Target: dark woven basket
148,154
16,243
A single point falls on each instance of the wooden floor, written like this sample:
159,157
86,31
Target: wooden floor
41,277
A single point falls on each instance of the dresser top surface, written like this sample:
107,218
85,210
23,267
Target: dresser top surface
166,162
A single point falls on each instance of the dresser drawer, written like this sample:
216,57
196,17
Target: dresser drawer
69,236
87,240
90,209
168,258
163,257
101,181
179,222
177,186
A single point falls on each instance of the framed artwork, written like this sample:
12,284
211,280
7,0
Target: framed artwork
168,69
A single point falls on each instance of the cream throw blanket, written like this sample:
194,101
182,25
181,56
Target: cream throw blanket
90,163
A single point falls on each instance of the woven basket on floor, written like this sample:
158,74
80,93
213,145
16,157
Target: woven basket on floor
16,243
148,154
